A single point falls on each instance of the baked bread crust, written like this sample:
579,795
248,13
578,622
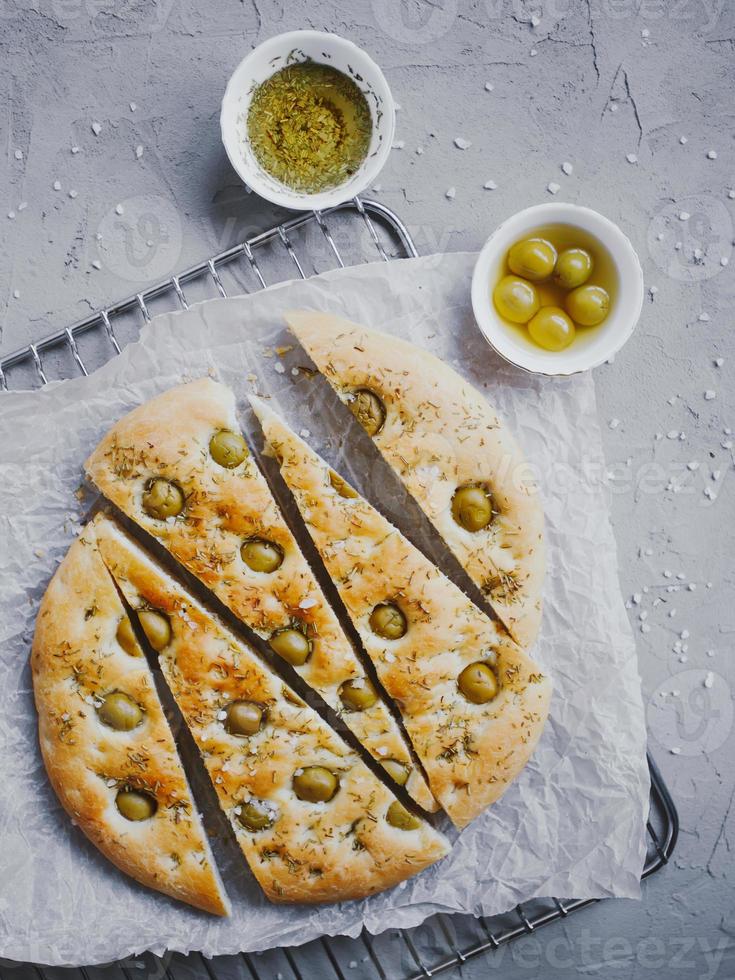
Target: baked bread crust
76,660
470,752
440,434
169,437
314,852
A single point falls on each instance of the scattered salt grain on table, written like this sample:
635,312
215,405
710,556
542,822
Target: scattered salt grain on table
711,154
96,264
552,187
490,185
489,86
399,144
451,193
57,185
683,140
18,154
138,151
461,143
631,158
684,216
709,679
709,395
567,168
119,209
96,128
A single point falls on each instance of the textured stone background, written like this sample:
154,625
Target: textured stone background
590,83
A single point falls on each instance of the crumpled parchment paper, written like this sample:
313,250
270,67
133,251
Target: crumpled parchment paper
573,824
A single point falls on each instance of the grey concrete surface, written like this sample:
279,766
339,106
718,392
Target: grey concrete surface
638,96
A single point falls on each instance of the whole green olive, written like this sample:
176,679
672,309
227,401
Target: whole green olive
243,718
157,628
162,498
358,694
120,712
256,815
261,555
135,804
532,258
516,299
551,329
398,816
588,305
388,621
292,645
472,507
341,486
228,448
368,409
478,683
127,639
315,784
398,771
573,268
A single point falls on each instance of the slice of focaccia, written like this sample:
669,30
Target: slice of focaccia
454,455
105,741
314,823
473,703
178,466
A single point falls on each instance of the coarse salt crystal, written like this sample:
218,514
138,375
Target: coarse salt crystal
683,140
96,128
719,361
709,679
631,158
462,144
675,750
96,264
73,193
694,465
451,193
308,603
709,395
18,154
119,209
684,216
552,187
389,657
614,423
279,368
399,144
138,151
489,86
490,185
567,168
57,185
711,154
703,317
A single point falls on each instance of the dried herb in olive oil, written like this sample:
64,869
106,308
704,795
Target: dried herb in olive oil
309,126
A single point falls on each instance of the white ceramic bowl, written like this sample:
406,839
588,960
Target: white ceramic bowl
268,58
591,347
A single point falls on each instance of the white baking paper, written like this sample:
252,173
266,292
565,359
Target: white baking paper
573,823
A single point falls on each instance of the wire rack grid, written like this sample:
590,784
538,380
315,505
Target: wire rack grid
442,941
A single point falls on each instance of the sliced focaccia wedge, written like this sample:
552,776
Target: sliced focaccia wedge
454,455
314,823
105,741
473,703
178,466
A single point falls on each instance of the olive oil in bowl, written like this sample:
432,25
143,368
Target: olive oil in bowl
556,285
309,126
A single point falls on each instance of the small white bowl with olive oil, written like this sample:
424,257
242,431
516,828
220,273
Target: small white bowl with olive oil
557,289
307,120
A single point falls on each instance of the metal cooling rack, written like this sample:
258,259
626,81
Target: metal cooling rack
442,941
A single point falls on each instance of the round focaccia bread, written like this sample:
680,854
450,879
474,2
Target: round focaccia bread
307,851
440,435
78,662
224,507
422,633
